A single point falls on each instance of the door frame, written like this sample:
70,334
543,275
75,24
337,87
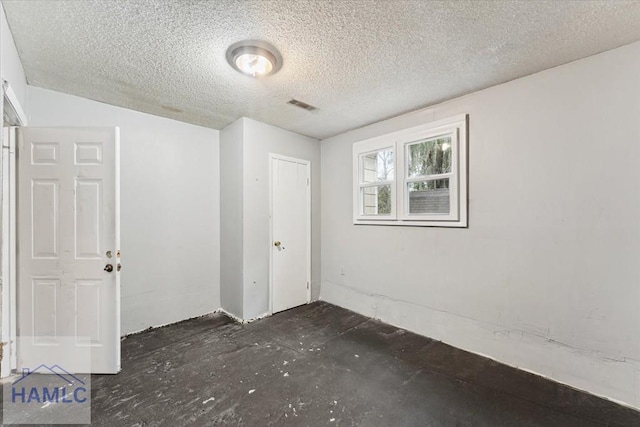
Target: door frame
16,118
307,163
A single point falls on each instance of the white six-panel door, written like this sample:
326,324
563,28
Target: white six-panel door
290,222
68,236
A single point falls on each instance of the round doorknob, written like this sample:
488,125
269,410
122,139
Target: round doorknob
277,243
108,268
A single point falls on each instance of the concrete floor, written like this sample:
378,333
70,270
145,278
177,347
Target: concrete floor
323,365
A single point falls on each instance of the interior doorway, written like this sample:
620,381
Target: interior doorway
13,117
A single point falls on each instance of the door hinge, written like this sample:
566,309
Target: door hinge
307,285
307,181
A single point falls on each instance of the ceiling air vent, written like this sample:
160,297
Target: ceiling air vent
301,104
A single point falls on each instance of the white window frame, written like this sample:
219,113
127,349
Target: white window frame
373,147
456,127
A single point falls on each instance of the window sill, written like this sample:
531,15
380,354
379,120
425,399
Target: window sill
414,223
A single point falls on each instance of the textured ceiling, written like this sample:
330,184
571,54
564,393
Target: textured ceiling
358,61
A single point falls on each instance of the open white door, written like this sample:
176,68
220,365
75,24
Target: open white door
68,249
291,232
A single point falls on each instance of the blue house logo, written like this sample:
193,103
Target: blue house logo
67,388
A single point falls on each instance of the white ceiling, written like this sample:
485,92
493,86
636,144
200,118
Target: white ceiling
358,61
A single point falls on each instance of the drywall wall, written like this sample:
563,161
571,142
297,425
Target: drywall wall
169,207
10,65
244,148
259,140
546,276
231,230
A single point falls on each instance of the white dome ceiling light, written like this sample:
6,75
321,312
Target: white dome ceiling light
254,58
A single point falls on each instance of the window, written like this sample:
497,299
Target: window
413,177
377,182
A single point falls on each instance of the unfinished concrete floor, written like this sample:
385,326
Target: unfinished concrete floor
323,365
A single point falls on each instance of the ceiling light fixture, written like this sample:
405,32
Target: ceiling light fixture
254,58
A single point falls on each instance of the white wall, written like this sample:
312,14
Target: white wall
260,140
10,65
547,276
231,231
170,207
245,147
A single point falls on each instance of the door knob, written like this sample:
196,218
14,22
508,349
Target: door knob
108,268
277,244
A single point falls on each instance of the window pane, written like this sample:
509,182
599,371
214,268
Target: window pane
429,197
376,200
429,157
377,166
